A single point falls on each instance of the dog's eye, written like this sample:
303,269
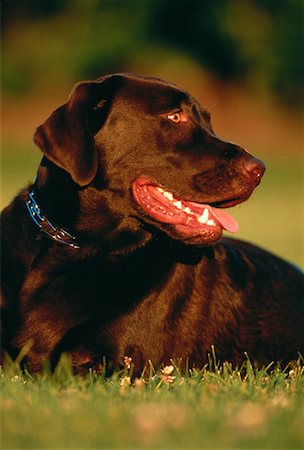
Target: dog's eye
175,117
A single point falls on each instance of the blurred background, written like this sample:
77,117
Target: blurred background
242,59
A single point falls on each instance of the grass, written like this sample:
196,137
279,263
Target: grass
214,408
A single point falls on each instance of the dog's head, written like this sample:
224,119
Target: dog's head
143,151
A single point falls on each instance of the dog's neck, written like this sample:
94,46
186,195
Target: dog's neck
54,208
180,253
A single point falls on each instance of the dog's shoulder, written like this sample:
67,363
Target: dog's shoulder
253,251
271,273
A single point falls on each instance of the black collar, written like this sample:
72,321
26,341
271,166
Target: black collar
52,231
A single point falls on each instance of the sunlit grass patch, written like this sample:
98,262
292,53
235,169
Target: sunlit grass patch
215,407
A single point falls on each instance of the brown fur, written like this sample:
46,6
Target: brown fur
137,287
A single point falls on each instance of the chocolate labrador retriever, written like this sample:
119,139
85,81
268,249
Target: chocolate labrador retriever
116,248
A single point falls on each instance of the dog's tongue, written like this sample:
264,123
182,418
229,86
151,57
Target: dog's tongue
227,222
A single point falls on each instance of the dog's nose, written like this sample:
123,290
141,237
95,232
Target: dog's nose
254,167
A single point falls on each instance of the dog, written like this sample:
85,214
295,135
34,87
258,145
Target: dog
116,249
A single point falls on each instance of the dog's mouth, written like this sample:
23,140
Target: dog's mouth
189,218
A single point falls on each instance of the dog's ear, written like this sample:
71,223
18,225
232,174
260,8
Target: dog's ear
67,136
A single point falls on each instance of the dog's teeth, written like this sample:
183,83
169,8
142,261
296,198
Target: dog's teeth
211,222
168,195
159,189
187,210
178,204
204,217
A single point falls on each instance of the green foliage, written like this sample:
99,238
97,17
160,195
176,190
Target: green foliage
200,28
216,407
258,42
